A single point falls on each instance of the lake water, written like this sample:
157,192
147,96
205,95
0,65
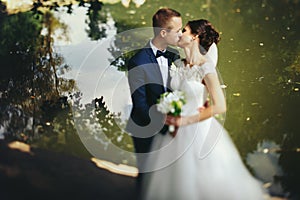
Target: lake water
258,63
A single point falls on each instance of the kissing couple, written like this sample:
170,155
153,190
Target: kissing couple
198,161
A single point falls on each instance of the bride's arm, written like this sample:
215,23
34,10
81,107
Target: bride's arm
218,100
218,104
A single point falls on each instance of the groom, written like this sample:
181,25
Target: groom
148,77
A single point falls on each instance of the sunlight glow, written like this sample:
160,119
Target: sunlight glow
116,168
19,146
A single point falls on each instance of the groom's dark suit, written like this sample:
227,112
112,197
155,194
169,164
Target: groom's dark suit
146,86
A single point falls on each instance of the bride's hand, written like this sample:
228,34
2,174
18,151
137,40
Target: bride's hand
177,121
174,132
183,120
172,120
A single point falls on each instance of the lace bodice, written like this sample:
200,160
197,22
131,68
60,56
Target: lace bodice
189,80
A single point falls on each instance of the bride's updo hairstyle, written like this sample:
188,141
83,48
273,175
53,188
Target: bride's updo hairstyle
206,33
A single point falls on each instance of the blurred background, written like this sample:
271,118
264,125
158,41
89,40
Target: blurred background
63,84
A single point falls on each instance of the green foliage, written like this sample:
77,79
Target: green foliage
96,31
95,17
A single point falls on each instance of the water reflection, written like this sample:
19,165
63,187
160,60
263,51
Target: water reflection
259,63
264,165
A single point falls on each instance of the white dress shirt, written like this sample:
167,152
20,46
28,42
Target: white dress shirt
163,64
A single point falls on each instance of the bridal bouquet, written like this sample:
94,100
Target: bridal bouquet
171,103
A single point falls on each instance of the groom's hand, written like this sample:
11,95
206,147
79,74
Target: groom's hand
202,108
206,104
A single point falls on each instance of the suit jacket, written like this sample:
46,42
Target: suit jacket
146,86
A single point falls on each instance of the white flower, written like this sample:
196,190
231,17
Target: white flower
171,102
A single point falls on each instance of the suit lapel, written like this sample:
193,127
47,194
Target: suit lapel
155,64
153,60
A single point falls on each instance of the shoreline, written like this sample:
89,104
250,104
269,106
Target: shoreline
33,173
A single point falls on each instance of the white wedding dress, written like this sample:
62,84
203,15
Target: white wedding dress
201,162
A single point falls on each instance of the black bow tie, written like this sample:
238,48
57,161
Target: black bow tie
160,53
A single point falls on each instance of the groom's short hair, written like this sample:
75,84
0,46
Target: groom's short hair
161,19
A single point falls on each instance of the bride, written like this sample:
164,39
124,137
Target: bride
200,161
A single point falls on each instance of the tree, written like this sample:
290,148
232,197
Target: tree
29,72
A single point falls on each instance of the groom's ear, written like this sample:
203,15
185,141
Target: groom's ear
163,33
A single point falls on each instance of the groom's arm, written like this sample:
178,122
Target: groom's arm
137,86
